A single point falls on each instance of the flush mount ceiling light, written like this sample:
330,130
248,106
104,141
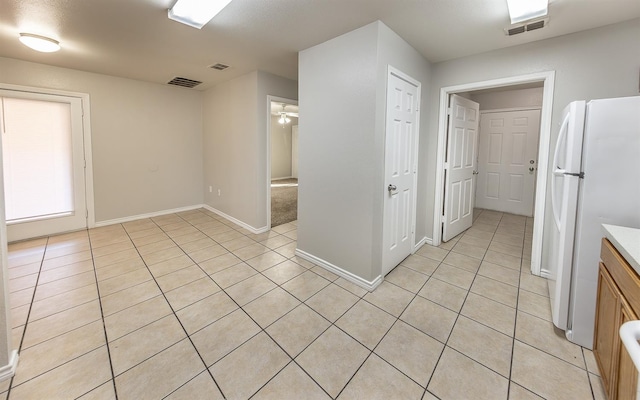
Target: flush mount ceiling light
196,13
524,10
283,118
39,43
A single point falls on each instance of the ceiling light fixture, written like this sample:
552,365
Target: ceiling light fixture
524,10
283,118
196,13
39,43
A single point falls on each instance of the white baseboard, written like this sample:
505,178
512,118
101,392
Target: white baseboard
7,371
368,285
236,221
422,242
148,215
545,273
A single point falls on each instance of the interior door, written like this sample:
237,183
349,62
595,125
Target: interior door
460,166
43,164
403,95
507,156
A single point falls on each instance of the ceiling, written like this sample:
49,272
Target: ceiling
135,39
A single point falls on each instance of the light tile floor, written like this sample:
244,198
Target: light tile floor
189,306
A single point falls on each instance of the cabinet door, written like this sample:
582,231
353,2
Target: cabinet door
606,338
627,372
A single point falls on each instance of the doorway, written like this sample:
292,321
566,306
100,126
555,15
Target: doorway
282,191
46,162
546,80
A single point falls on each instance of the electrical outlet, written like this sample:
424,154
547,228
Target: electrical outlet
219,192
210,189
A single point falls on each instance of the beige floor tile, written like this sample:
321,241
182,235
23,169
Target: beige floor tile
407,278
433,253
141,241
490,313
378,380
21,297
202,387
479,240
495,290
455,276
162,255
534,304
444,294
275,242
590,361
288,250
483,344
431,318
24,282
63,301
250,251
305,285
19,315
190,293
250,289
129,297
243,372
265,261
469,250
503,260
514,251
507,237
366,323
350,286
421,264
132,318
462,261
542,335
223,336
267,308
284,228
24,270
517,392
207,253
201,243
186,230
291,383
325,273
161,374
66,260
206,311
154,247
62,322
332,301
297,329
284,272
222,235
59,350
219,263
120,268
232,275
65,271
70,380
104,261
479,382
534,284
180,278
170,265
50,289
390,298
130,350
548,376
237,243
332,359
106,391
411,351
498,273
124,281
597,387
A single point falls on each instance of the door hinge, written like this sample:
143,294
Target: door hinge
86,213
446,165
449,111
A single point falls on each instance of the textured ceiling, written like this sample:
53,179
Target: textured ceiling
135,39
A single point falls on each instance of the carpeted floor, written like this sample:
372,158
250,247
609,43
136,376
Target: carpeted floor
284,201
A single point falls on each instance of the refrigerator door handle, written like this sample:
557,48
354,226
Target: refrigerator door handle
564,128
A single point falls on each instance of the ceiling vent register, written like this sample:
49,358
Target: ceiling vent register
219,66
522,28
184,82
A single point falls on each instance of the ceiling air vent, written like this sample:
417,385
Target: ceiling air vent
522,28
184,82
219,66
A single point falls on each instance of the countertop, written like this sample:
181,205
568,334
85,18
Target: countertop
626,241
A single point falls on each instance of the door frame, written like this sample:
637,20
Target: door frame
548,80
86,136
276,99
391,71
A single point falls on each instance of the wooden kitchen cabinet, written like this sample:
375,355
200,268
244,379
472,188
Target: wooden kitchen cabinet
618,302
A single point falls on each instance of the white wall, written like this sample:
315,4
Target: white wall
597,63
341,165
235,118
281,148
146,138
531,97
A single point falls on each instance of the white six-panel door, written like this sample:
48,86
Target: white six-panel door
460,166
403,96
507,161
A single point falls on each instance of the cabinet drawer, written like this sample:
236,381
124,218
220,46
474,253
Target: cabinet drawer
623,275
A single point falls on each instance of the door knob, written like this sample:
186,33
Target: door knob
392,188
531,169
475,172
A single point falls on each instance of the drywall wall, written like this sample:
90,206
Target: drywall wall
146,138
597,63
281,148
235,118
341,165
518,98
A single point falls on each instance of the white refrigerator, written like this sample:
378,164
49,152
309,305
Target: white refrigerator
595,180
